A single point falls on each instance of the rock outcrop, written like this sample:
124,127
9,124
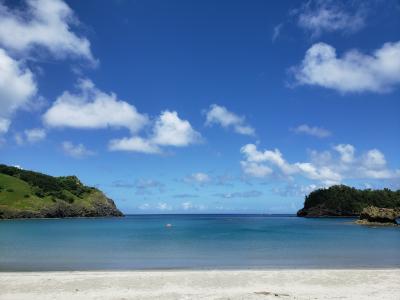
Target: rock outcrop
377,215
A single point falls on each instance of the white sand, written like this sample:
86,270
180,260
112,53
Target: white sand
266,284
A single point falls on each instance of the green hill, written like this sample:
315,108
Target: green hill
341,200
28,194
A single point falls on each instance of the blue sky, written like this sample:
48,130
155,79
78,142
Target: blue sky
203,106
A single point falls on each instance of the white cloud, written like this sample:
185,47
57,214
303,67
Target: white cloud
374,159
4,125
35,135
274,157
320,16
325,167
246,194
198,178
254,169
221,116
17,87
76,151
134,144
163,206
168,130
19,138
294,189
346,152
312,130
187,205
92,108
190,206
45,24
144,206
353,72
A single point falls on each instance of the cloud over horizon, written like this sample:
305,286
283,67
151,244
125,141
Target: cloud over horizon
325,167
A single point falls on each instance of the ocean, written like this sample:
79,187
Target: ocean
138,242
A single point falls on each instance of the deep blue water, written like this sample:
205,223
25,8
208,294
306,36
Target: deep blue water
195,241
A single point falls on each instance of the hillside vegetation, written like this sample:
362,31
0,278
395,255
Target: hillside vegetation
341,200
28,194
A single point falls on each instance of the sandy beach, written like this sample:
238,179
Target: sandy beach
243,284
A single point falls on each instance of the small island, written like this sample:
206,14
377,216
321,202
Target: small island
371,206
29,194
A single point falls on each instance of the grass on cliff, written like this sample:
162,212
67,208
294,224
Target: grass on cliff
27,190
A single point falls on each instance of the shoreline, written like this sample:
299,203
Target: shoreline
206,269
203,284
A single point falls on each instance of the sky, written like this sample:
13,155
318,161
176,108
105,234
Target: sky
203,106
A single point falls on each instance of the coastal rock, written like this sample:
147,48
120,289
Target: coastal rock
372,214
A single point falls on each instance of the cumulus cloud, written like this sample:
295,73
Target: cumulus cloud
134,144
353,72
325,167
91,108
45,24
168,130
254,169
17,88
312,130
76,151
220,115
321,16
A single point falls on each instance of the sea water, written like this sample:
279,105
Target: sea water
195,242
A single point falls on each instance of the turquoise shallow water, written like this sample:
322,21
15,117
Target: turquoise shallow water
196,242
